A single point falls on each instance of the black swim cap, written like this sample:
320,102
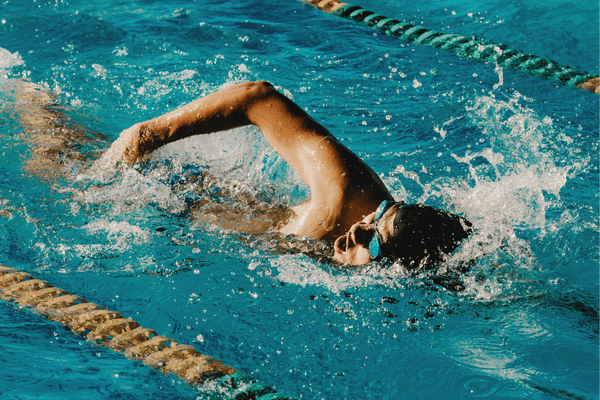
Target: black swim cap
423,235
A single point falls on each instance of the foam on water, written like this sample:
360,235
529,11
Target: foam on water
9,60
489,144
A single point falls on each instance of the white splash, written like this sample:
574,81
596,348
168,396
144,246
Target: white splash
498,70
8,61
301,270
441,129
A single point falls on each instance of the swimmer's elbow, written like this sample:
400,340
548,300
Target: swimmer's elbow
253,91
258,85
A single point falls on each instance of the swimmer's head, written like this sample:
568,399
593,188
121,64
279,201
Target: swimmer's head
422,235
417,235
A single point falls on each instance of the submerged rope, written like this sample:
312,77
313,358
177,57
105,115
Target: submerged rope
109,328
465,47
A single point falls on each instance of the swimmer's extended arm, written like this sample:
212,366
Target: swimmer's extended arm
52,137
282,122
305,144
342,187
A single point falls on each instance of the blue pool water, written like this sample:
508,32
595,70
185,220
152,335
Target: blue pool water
516,155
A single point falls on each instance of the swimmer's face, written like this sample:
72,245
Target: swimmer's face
353,247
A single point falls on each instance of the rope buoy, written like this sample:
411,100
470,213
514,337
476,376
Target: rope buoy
109,328
463,46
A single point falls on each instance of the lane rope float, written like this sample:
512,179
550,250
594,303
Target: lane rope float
463,46
108,328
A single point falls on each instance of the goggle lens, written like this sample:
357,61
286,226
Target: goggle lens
375,244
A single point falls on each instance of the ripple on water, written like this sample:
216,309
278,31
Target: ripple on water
480,385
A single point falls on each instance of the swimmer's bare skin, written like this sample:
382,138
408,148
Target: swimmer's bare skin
55,141
344,190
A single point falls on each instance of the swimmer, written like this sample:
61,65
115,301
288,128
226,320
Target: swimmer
55,141
349,205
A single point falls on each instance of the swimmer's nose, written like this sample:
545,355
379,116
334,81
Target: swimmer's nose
361,233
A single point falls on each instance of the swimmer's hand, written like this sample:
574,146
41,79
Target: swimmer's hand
124,151
592,85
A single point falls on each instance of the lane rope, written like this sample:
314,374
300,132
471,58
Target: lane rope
108,328
465,47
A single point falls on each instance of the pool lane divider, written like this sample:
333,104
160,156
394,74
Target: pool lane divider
108,328
463,46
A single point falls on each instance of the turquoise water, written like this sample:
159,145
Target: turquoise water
516,155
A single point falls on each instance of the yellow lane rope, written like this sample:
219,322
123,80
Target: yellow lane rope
109,328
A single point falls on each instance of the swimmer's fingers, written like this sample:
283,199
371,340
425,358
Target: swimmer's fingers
592,85
123,151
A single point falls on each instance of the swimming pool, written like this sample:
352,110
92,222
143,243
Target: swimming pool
516,155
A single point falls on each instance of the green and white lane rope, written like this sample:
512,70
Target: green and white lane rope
464,46
109,328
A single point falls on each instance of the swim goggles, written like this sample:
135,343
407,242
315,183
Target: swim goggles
377,241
